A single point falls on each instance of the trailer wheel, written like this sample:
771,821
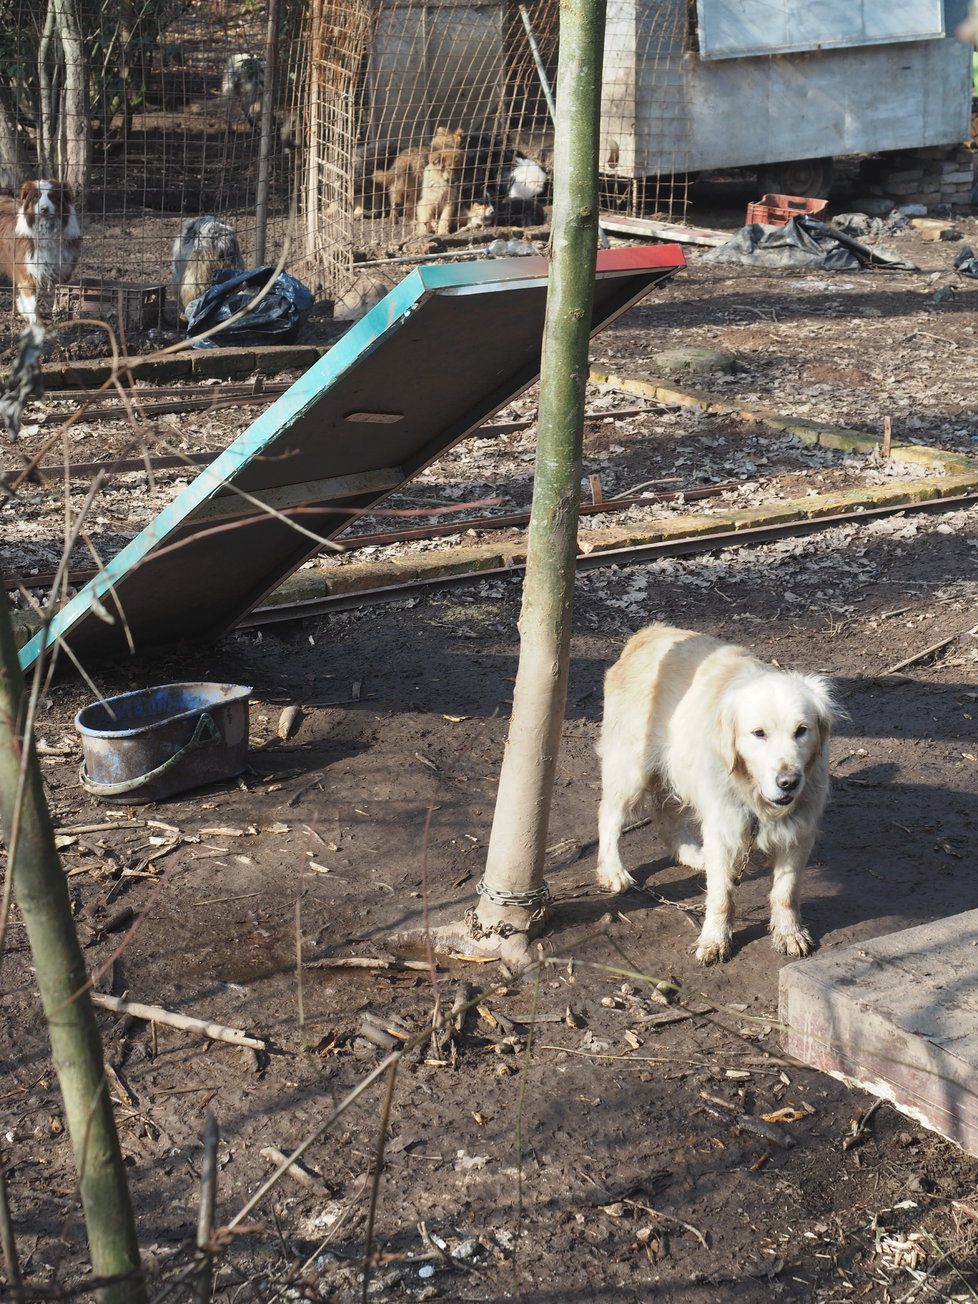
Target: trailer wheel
810,178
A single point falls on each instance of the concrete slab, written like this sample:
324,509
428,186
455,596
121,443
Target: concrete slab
896,1016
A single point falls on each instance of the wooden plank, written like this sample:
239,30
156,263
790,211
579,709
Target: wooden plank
655,230
896,1016
333,489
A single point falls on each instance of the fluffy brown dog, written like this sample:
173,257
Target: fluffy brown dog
403,180
438,205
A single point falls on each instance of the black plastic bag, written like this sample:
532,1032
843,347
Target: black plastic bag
804,242
275,320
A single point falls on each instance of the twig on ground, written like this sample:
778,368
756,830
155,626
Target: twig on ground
746,1122
301,1173
928,651
186,1022
668,1217
366,962
859,1128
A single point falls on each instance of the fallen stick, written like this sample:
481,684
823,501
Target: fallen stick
306,1177
366,962
926,652
156,1014
858,1133
746,1122
68,829
668,1217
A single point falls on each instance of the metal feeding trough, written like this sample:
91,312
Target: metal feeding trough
156,742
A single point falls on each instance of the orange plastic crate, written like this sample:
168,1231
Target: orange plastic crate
778,210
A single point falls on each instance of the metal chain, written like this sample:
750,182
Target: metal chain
529,900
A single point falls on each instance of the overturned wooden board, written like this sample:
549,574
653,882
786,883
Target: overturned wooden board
675,232
896,1016
447,348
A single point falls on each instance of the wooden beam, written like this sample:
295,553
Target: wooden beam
310,493
895,1016
672,231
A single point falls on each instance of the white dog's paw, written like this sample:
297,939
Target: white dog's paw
713,948
614,878
792,941
691,855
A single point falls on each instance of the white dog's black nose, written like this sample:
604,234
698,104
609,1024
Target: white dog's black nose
789,782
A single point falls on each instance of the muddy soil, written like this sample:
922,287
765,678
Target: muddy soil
563,1149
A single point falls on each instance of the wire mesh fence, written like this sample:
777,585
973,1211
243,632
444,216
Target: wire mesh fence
429,119
390,128
151,113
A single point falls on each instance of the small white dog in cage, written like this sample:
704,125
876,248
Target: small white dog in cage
204,246
40,241
243,85
527,179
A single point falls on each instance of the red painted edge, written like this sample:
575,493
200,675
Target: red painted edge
639,259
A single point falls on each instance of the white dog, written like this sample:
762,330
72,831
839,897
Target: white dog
733,754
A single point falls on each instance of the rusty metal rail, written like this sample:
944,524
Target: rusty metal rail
481,523
645,552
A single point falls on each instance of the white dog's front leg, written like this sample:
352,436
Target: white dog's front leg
722,855
611,871
788,935
27,307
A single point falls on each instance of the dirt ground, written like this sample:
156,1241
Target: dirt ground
564,1150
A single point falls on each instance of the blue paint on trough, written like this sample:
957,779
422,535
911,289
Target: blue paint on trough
448,347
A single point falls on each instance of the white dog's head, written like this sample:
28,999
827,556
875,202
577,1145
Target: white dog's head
774,726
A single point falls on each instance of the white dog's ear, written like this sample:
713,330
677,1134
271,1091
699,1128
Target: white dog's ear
827,710
727,733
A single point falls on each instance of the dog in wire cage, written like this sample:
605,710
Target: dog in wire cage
40,241
205,245
243,85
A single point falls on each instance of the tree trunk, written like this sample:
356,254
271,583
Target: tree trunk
513,895
267,128
313,142
13,170
75,124
45,98
41,892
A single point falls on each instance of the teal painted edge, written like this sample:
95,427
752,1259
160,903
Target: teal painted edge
362,337
360,340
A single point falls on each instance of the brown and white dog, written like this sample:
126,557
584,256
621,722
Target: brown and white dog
40,240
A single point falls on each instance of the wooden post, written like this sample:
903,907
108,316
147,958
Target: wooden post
887,435
41,892
313,133
513,895
267,131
